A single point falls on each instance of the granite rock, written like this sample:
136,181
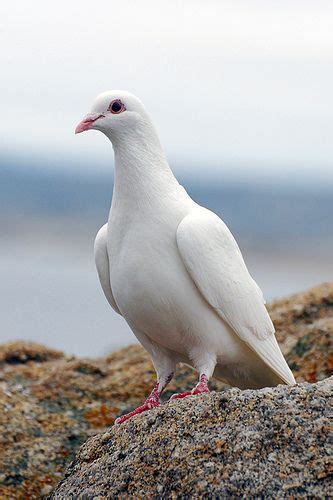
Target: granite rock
51,403
267,443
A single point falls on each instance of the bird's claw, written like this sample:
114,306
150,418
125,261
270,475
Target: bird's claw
180,395
200,388
147,405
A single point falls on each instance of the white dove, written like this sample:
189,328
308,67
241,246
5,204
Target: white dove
173,269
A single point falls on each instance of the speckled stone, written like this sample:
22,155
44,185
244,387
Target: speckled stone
268,443
51,403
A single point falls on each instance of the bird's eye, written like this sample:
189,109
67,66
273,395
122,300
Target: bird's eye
116,107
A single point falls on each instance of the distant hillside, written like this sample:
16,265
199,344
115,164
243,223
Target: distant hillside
271,214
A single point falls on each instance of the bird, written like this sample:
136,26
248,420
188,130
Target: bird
173,269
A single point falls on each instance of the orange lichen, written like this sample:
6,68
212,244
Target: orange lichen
101,416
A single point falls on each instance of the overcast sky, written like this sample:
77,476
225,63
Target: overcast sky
247,84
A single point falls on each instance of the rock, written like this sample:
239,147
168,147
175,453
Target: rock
16,353
304,329
267,443
51,403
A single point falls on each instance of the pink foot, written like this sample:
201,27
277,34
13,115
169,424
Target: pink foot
180,395
198,389
151,402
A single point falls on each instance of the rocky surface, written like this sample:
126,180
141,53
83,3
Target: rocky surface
50,404
267,443
304,329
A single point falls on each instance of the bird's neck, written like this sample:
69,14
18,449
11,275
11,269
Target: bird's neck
142,173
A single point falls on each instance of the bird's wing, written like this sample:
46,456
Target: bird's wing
102,264
215,263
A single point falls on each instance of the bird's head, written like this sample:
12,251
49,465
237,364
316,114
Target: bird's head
114,112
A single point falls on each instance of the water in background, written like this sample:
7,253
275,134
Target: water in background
49,287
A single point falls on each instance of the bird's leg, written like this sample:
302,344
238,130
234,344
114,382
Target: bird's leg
205,365
152,401
202,386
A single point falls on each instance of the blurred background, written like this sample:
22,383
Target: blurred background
241,93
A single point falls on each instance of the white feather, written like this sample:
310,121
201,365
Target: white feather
213,259
102,265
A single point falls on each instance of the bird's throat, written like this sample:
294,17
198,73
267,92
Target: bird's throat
142,172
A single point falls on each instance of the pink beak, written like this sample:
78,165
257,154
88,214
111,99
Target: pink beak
87,123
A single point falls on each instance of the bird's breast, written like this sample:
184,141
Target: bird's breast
143,271
150,283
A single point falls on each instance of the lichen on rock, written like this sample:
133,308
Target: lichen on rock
51,403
